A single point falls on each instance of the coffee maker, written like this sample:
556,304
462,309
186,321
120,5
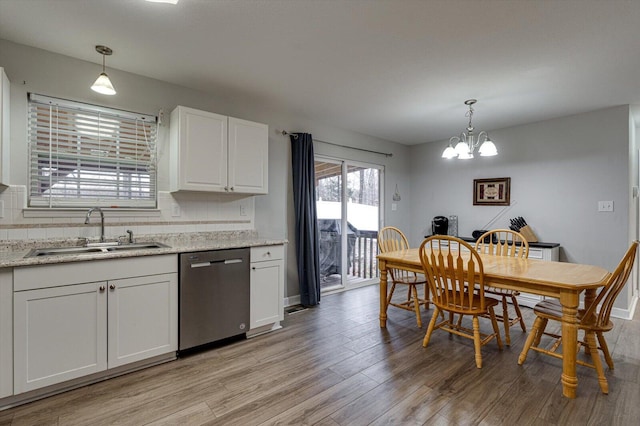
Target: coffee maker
439,225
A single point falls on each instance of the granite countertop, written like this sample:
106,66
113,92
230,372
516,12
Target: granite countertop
13,254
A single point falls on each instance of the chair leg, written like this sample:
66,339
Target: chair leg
459,323
605,349
597,362
426,296
535,331
543,327
516,307
416,304
390,295
496,330
505,320
476,341
432,325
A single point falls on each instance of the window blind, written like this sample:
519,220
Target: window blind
83,155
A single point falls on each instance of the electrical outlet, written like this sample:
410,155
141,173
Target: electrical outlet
175,210
605,206
394,207
1,208
243,210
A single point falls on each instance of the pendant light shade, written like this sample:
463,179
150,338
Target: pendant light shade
102,84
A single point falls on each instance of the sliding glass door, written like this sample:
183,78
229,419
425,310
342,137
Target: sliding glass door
348,204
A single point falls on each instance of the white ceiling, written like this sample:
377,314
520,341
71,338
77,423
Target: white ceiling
395,69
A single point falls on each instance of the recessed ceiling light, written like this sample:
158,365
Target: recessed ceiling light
164,1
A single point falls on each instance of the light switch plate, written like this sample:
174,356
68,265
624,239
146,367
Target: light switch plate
605,206
394,207
175,210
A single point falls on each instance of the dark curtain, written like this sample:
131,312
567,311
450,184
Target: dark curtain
304,199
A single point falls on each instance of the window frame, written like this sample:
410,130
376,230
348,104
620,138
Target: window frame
110,147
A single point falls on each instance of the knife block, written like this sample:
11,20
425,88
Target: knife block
528,234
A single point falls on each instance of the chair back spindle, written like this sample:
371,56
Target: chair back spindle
391,238
608,294
503,242
449,273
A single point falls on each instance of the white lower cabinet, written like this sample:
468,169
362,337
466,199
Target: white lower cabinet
143,318
267,286
6,332
69,329
60,334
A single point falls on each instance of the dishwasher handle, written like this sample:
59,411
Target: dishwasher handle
224,261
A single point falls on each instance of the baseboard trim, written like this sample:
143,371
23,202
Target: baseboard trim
291,301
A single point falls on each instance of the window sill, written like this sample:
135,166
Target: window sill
35,212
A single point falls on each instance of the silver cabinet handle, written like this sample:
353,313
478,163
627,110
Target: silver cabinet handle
112,286
101,288
232,188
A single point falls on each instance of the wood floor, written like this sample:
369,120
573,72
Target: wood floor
333,365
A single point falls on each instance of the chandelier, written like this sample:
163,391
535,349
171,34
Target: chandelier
466,143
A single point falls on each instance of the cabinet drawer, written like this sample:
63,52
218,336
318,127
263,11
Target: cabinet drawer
60,274
264,253
536,253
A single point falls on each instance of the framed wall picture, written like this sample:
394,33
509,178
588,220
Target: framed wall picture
492,192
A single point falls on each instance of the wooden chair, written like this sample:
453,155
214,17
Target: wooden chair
505,242
452,275
391,239
593,322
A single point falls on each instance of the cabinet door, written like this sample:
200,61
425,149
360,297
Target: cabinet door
60,333
4,128
6,332
267,293
248,157
199,150
143,318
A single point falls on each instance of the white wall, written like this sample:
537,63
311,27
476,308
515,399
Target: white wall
271,215
559,170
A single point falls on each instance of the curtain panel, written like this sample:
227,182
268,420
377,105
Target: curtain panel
304,198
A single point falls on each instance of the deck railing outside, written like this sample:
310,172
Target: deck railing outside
364,263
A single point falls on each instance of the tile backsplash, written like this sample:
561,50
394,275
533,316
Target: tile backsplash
176,213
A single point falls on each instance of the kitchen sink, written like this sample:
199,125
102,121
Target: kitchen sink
108,248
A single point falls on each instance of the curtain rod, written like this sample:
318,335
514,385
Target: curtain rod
295,136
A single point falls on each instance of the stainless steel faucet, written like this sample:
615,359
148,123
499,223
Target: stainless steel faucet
86,221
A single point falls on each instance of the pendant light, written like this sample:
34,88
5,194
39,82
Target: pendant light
103,84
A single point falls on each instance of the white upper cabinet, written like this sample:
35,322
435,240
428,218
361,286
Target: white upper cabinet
4,128
248,156
215,153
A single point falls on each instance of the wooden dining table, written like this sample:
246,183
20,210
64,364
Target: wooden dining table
564,281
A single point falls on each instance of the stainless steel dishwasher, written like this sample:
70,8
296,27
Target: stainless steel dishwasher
214,296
